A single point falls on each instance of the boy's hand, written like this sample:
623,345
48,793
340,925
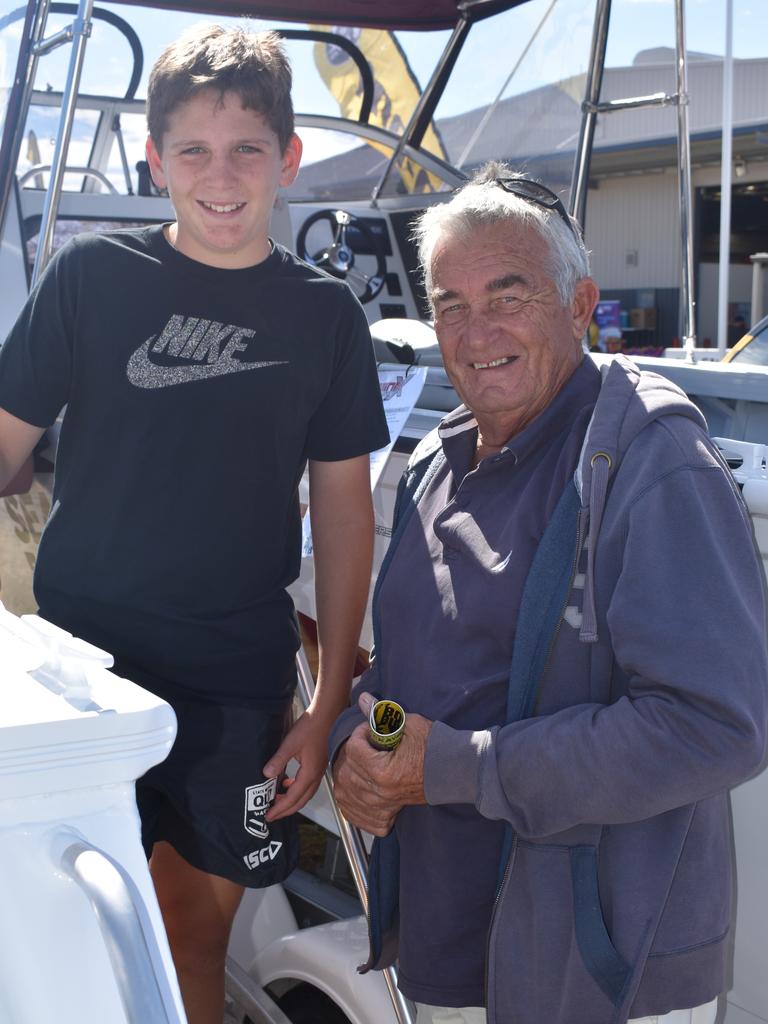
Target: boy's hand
306,743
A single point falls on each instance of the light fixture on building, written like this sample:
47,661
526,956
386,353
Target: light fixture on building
739,167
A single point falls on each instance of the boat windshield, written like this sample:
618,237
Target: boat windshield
498,100
525,102
329,92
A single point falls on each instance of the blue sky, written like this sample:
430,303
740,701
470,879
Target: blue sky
563,40
637,22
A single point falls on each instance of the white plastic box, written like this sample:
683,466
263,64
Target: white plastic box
82,940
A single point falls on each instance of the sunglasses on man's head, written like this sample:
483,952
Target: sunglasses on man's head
535,192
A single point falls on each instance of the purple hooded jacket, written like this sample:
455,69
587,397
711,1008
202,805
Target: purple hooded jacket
613,773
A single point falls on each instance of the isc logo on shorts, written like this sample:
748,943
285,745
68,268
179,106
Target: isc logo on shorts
257,800
256,858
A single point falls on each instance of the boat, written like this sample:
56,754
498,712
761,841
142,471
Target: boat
399,104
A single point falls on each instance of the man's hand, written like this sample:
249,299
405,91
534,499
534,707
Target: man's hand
306,743
370,785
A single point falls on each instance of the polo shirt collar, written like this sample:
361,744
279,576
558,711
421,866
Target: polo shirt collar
458,430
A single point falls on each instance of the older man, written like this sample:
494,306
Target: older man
572,613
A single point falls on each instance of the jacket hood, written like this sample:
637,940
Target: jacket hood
629,400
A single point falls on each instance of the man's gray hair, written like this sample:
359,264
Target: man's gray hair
482,203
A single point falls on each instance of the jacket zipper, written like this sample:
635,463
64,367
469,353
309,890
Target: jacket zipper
512,853
505,878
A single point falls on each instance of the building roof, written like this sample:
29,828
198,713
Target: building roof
538,130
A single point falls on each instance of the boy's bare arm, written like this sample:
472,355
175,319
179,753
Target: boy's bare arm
17,441
341,513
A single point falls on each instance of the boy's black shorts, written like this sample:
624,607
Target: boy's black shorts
209,797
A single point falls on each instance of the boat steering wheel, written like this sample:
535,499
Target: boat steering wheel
338,257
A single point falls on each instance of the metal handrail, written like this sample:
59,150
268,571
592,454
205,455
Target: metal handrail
126,30
354,847
124,923
590,109
655,99
88,172
81,30
22,91
249,998
18,101
118,133
352,51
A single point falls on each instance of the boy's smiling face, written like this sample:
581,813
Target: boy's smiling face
222,166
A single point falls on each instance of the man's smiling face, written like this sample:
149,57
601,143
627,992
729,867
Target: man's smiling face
222,165
508,342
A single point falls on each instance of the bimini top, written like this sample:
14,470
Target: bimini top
387,14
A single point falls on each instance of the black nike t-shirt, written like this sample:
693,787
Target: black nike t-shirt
194,396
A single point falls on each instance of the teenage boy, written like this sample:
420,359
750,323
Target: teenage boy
201,367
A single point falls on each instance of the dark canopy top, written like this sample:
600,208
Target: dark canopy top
389,14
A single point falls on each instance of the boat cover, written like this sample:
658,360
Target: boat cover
387,14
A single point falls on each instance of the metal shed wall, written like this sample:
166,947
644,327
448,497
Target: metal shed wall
635,214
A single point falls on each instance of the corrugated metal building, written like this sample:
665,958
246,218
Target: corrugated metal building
632,212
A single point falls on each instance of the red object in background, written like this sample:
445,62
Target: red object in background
22,482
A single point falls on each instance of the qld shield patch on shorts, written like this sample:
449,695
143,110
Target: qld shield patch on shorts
257,801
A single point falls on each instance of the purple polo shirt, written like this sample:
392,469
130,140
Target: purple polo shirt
448,608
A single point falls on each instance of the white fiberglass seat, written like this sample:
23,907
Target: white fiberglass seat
393,338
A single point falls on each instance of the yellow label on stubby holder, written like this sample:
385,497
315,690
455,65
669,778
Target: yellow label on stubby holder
386,721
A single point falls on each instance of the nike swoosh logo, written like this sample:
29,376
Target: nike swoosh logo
143,373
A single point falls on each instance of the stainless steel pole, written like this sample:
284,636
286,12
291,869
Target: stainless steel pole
684,181
20,114
726,173
592,89
444,65
354,848
81,30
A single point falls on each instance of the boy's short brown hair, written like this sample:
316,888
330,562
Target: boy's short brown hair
251,64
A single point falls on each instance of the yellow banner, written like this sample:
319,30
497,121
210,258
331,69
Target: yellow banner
395,92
